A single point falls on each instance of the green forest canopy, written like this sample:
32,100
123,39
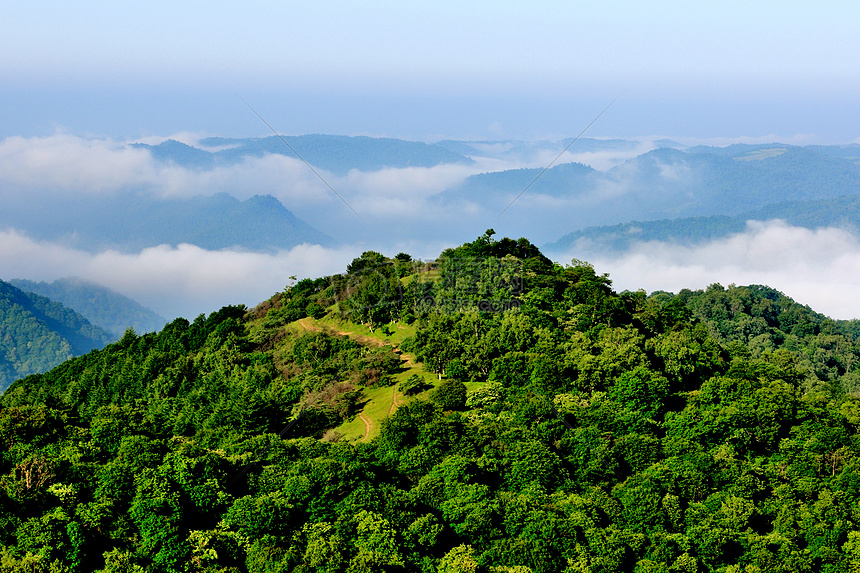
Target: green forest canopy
711,430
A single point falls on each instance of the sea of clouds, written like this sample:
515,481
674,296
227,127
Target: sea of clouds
819,268
397,213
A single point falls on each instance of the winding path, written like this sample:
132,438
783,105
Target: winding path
407,361
367,426
394,403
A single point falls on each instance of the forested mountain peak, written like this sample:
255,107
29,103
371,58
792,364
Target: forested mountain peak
489,411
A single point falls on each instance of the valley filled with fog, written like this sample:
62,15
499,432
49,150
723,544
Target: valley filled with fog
185,224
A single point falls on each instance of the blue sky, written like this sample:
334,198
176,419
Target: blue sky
491,70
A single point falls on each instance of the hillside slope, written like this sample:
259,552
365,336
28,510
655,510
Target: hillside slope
37,334
100,305
572,428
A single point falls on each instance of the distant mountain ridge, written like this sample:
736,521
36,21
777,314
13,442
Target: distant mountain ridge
101,306
619,238
668,181
662,184
561,180
841,212
132,222
37,334
337,154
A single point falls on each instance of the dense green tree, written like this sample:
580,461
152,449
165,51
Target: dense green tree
450,394
710,430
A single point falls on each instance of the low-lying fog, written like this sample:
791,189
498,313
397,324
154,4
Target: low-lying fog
818,268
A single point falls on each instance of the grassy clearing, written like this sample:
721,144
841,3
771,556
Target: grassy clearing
426,276
377,401
362,333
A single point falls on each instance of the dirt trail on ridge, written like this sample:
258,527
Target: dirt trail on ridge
367,426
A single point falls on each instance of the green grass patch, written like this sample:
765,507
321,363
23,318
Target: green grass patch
377,405
431,276
399,330
377,401
352,430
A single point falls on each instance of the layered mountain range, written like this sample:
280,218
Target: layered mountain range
222,193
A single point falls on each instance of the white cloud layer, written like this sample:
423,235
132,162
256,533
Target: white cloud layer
69,165
394,201
181,281
819,268
72,164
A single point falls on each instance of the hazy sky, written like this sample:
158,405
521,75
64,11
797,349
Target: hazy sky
427,70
